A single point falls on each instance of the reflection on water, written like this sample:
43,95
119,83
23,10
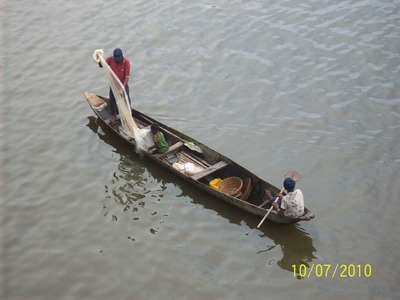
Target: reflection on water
297,245
135,183
131,185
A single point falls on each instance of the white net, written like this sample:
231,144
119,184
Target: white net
129,126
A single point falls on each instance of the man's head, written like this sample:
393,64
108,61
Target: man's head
118,56
289,184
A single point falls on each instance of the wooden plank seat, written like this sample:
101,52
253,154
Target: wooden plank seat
171,149
196,159
209,170
186,157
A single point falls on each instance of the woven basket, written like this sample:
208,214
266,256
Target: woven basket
231,186
246,189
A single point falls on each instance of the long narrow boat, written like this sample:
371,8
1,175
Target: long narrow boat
242,188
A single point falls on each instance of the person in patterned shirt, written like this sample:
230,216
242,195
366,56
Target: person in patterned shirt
290,205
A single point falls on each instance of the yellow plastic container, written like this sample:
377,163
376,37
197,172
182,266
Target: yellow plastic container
214,183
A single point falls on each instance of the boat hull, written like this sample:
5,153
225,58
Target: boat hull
213,164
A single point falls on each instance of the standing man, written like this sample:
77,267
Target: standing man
121,66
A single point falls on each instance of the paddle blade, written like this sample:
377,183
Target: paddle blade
293,174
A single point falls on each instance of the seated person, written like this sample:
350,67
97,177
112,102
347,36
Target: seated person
158,138
292,204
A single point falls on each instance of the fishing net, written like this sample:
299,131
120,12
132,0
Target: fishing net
141,136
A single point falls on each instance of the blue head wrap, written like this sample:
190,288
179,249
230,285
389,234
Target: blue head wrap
289,184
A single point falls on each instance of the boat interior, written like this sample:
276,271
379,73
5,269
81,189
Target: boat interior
211,167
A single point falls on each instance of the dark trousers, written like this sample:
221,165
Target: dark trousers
113,104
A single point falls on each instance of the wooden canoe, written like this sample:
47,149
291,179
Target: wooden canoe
212,165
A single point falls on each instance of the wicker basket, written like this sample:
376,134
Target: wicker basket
246,189
231,186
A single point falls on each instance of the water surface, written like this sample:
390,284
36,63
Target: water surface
309,85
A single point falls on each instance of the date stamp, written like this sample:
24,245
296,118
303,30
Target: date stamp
332,271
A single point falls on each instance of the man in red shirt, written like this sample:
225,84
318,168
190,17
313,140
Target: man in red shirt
121,66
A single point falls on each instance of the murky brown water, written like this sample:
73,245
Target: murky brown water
312,86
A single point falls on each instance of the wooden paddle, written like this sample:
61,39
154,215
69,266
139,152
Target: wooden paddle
290,173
